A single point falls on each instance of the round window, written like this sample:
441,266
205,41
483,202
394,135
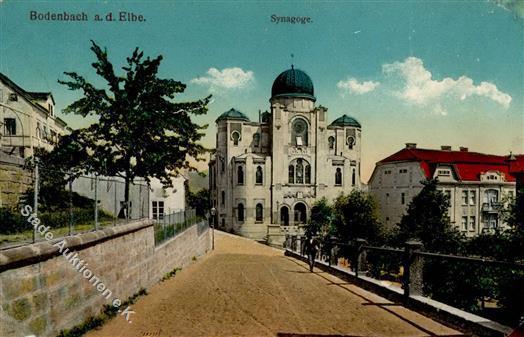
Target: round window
299,126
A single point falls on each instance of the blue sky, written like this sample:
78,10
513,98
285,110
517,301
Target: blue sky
433,73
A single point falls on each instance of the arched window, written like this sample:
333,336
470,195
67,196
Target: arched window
299,172
331,142
258,176
307,174
240,175
240,212
256,139
259,212
223,196
350,141
299,132
235,135
338,177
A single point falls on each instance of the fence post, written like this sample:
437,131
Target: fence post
35,201
96,202
70,204
413,265
360,256
116,208
164,225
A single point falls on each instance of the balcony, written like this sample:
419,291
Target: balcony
491,207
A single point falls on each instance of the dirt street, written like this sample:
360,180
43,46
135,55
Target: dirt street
247,289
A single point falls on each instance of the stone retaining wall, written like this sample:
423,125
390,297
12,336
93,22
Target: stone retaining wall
14,180
41,293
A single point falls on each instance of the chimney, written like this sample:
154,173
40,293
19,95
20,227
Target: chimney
411,145
445,148
464,149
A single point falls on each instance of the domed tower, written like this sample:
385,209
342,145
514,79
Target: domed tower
293,83
296,127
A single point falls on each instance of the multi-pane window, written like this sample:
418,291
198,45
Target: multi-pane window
464,223
338,176
259,176
158,210
464,197
472,198
259,212
299,172
445,173
471,223
10,126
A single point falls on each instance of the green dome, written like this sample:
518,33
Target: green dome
293,83
233,114
345,120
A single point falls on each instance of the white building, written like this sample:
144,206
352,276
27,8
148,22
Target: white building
167,200
476,184
27,120
266,175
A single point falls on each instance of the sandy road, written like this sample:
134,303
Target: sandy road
246,289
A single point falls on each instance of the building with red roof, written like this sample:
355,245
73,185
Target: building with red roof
476,184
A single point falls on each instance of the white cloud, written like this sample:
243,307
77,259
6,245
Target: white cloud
225,79
353,86
421,89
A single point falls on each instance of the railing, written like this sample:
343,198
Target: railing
414,271
171,224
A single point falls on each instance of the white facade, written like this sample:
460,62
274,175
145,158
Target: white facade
166,200
27,120
110,193
476,185
265,176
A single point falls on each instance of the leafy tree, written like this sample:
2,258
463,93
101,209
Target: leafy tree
427,220
200,201
320,220
355,216
140,131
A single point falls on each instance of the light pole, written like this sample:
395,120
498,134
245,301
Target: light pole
213,212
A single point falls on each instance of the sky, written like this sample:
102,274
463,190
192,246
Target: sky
427,72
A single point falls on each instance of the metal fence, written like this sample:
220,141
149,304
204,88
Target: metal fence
84,203
411,268
169,225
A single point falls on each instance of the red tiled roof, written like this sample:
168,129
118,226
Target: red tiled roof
467,165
